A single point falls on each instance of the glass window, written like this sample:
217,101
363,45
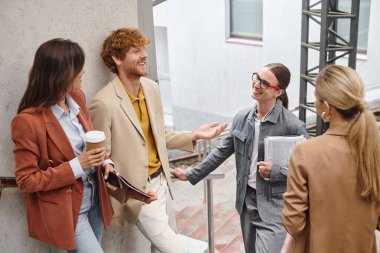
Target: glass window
246,19
344,24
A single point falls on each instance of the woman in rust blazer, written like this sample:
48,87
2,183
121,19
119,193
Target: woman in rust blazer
66,200
332,203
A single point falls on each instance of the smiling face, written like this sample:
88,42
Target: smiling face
134,63
269,94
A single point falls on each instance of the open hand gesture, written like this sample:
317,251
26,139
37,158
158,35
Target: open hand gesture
208,131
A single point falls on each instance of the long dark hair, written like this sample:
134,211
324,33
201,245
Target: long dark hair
56,64
282,75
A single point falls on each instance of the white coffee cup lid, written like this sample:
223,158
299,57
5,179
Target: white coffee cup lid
94,136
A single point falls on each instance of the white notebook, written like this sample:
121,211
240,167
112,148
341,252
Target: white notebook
279,148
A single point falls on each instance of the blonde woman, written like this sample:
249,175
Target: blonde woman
332,201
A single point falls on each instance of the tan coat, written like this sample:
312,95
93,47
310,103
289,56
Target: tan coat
323,210
53,196
112,112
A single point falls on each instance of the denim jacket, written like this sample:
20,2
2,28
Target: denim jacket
280,122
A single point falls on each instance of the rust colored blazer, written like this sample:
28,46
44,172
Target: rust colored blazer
323,210
52,195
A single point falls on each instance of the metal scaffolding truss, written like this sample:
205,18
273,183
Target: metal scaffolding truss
331,46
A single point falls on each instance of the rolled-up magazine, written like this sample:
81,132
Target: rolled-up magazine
118,181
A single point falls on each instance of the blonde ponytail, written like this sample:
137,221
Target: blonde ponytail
343,88
363,138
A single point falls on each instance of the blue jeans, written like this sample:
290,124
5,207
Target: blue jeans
89,229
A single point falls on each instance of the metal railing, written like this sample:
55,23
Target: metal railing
204,148
210,208
7,182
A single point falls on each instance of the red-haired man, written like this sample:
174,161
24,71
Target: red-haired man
129,110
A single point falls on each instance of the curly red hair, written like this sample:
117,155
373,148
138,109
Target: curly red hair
119,42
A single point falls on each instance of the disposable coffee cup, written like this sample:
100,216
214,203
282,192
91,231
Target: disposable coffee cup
94,139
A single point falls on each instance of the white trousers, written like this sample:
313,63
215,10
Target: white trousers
153,220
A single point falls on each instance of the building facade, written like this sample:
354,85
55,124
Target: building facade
215,45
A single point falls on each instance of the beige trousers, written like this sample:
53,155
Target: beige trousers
153,220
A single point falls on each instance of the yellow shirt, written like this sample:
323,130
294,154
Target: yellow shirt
141,110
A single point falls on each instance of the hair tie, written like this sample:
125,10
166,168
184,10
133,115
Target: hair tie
363,107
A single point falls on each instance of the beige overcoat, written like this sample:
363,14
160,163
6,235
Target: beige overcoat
112,112
323,209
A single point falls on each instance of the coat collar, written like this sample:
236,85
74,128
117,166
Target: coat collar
272,117
73,107
58,135
341,131
126,104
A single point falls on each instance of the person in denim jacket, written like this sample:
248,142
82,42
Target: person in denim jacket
260,184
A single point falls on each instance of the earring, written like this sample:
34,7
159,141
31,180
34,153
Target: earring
325,117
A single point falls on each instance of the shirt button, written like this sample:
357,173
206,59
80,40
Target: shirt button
143,144
144,187
146,166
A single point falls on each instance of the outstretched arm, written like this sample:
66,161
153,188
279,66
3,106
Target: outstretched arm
212,161
205,132
185,140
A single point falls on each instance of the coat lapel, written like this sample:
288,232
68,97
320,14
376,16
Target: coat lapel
57,134
148,94
85,124
79,98
126,105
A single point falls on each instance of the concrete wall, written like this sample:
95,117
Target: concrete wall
24,26
211,77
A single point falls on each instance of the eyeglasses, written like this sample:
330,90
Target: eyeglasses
263,83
